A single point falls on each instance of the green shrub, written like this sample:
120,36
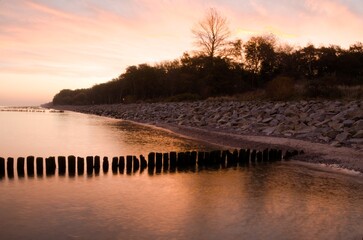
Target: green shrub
280,88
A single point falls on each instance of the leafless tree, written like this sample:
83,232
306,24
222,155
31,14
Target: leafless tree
211,34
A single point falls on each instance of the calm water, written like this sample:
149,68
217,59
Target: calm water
265,201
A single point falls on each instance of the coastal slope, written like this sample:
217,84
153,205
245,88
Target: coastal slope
329,132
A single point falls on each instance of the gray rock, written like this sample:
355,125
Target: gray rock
359,134
342,137
267,120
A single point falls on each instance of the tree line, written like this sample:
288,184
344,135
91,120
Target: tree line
222,67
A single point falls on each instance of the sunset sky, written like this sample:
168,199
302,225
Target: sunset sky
49,45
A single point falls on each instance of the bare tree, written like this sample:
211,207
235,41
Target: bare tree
211,34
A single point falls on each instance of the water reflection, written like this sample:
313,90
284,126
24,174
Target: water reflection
278,200
63,134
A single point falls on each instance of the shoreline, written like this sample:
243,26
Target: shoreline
346,157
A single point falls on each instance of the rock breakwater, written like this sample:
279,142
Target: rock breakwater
335,123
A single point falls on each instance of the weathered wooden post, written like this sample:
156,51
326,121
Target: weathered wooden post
187,159
234,158
136,164
71,166
105,165
50,166
181,161
279,155
2,167
207,159
10,167
61,165
20,166
97,165
228,155
165,162
241,157
272,155
231,158
216,158
172,161
259,156
200,160
143,163
80,165
40,167
30,166
121,166
265,155
115,165
159,160
248,156
89,160
193,158
253,156
151,161
128,164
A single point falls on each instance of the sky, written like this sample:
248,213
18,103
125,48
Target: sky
50,45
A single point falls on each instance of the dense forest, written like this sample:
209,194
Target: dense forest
224,67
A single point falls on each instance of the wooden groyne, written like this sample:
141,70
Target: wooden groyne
154,162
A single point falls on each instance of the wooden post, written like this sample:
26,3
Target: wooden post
10,167
172,161
61,165
89,160
2,167
39,162
128,164
151,161
259,156
80,165
234,158
105,165
181,160
248,156
165,162
71,166
217,158
265,155
187,159
201,161
97,165
20,166
279,155
50,166
253,156
121,166
193,158
143,163
242,157
272,155
159,160
207,159
229,159
30,166
115,165
136,164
